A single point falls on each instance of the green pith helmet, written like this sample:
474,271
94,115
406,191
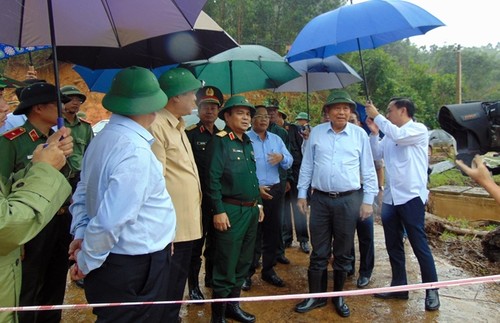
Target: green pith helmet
178,81
340,96
134,91
71,90
272,103
302,116
236,101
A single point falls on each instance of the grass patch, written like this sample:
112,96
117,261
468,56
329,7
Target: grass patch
448,236
450,177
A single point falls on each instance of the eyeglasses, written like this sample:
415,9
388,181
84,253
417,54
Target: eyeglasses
263,116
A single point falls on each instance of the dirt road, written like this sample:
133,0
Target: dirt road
478,303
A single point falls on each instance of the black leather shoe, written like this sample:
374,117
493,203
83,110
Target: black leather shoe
304,246
341,307
432,300
234,311
393,295
310,304
196,294
247,284
351,272
283,260
273,280
363,281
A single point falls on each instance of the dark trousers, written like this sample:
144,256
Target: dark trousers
364,230
45,269
176,276
409,216
271,229
299,219
234,249
269,232
333,219
123,278
206,240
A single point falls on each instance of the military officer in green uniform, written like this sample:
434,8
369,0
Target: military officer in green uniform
26,207
81,130
45,264
209,99
233,189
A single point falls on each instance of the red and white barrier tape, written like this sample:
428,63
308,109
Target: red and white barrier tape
441,284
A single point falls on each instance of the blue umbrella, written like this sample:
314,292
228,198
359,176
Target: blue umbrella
364,25
100,80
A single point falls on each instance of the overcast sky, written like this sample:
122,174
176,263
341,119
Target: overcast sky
469,23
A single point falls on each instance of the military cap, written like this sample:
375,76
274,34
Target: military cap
340,96
134,91
302,116
236,101
71,90
209,94
272,103
178,81
37,93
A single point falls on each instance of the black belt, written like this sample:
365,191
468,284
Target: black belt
238,202
335,195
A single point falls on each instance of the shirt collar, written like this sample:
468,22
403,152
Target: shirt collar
132,125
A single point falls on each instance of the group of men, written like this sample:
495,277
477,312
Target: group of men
148,194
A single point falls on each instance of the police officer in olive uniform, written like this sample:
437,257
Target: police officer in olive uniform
81,130
45,263
233,189
208,99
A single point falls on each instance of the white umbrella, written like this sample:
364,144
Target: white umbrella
318,74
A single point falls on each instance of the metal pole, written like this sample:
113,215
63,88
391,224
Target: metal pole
459,74
60,120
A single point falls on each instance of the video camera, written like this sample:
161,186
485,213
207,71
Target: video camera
476,128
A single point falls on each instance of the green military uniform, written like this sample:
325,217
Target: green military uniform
25,208
81,131
17,146
232,177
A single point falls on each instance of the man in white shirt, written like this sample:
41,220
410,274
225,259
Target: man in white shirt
404,149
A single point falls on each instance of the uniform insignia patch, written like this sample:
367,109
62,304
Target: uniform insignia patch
14,133
231,136
33,135
85,121
221,133
191,127
202,128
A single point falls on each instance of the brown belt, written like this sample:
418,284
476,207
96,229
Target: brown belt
238,202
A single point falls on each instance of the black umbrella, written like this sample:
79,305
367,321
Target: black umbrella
205,40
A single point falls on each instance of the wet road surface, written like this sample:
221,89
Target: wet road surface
477,303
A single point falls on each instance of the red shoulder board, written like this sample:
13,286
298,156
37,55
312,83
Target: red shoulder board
33,135
14,133
86,121
202,128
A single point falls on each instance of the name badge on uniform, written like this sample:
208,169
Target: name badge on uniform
237,150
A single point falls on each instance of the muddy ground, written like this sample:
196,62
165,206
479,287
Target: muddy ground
458,304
